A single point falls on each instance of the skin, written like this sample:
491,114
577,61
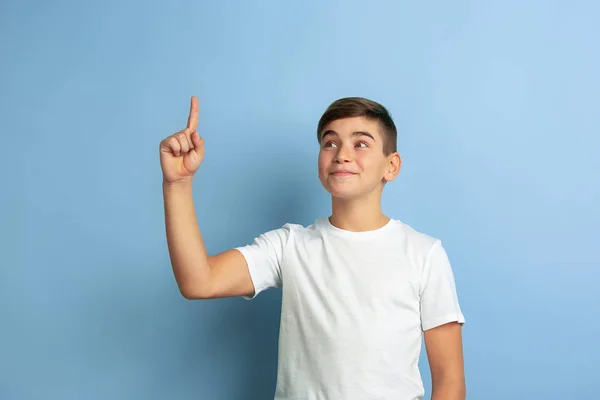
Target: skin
356,145
352,167
445,355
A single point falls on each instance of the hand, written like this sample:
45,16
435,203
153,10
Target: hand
182,153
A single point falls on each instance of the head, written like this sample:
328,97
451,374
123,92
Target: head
358,154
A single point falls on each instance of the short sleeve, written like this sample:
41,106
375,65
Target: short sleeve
263,257
438,297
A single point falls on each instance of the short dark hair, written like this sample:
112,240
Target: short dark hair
349,107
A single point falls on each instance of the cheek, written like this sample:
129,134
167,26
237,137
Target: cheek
367,163
323,161
363,161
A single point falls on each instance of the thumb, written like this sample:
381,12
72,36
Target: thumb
196,140
198,144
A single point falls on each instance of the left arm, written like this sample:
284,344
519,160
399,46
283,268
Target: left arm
445,354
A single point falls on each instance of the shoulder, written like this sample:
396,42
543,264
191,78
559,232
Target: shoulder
419,247
300,230
414,238
289,232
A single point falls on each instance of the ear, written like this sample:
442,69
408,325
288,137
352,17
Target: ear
394,164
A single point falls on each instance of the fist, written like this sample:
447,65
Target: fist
182,153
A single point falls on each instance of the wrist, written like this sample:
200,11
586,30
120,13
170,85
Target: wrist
185,183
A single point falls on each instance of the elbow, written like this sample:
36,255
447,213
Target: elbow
194,292
188,294
193,283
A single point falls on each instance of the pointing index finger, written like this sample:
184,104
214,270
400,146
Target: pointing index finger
192,123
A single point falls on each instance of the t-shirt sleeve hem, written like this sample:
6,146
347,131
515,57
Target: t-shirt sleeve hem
253,274
435,322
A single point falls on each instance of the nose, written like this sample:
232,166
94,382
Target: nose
344,154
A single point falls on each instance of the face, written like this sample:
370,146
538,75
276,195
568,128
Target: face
351,159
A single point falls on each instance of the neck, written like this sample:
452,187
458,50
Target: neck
358,215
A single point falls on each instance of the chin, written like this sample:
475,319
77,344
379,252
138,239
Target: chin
349,191
342,195
342,192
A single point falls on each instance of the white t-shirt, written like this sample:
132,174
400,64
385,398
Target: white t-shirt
354,305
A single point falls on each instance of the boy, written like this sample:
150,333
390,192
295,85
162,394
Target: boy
359,288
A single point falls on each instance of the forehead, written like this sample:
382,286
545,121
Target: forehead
347,126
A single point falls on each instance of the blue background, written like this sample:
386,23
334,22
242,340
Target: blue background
497,107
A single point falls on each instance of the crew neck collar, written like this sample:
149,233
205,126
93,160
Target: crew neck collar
328,226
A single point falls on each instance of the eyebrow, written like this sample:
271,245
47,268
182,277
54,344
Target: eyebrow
355,133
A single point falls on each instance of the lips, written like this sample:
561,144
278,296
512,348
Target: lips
342,173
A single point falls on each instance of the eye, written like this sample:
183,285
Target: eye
330,144
362,144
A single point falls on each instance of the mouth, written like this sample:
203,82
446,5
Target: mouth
342,173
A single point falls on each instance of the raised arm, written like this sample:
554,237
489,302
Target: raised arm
198,275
